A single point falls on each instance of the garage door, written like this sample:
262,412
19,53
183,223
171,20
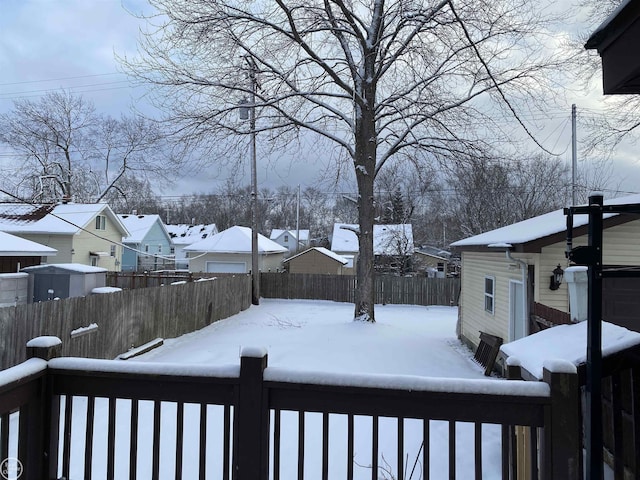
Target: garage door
226,267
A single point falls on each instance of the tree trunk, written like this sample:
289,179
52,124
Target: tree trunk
365,164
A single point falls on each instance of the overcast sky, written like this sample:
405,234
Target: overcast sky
51,44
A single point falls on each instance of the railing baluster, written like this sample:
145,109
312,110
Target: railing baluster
506,452
23,421
513,449
133,435
618,435
533,451
111,440
350,447
426,447
452,450
155,466
276,444
203,441
4,435
325,446
88,437
179,438
478,450
400,448
66,452
374,448
226,448
300,445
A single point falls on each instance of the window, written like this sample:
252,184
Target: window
113,250
94,261
286,239
101,222
489,293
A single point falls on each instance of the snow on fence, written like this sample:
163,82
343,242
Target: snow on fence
79,418
340,288
123,319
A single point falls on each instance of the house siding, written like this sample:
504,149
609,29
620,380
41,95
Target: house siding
315,262
474,319
266,263
62,243
155,237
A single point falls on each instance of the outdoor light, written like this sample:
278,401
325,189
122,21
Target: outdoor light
244,109
556,278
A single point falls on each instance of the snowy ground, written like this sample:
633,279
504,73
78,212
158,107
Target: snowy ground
320,337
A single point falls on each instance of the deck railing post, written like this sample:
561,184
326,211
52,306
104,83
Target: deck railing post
564,433
43,415
251,446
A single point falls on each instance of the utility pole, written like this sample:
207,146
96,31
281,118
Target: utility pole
298,221
249,111
574,155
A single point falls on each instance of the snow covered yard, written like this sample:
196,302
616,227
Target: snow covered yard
310,336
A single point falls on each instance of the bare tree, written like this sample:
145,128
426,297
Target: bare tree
377,79
65,150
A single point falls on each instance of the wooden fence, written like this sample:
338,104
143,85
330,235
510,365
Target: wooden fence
124,319
340,288
53,397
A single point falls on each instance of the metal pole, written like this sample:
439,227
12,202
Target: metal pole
574,156
298,221
255,270
593,427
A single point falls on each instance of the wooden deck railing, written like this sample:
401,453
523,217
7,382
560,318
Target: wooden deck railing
80,418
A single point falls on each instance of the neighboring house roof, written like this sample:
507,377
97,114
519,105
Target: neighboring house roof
71,267
323,251
384,238
532,234
433,252
184,234
139,226
235,240
12,246
277,232
63,219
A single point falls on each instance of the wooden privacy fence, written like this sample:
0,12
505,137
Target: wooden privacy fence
122,319
77,417
340,288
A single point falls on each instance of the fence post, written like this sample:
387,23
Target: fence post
564,431
43,415
252,442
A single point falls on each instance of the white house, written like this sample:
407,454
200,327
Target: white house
287,238
230,252
183,235
85,233
389,242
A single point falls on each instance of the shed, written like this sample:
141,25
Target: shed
317,260
14,289
64,280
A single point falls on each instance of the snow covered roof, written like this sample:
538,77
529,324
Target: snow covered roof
235,240
385,238
139,226
184,234
537,227
72,267
63,219
433,252
566,342
277,232
323,251
12,246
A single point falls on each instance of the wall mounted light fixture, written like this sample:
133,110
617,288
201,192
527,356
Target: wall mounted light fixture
556,278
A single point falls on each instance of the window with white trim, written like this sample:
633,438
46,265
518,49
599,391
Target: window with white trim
489,294
113,250
101,222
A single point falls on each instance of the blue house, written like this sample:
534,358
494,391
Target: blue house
148,247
